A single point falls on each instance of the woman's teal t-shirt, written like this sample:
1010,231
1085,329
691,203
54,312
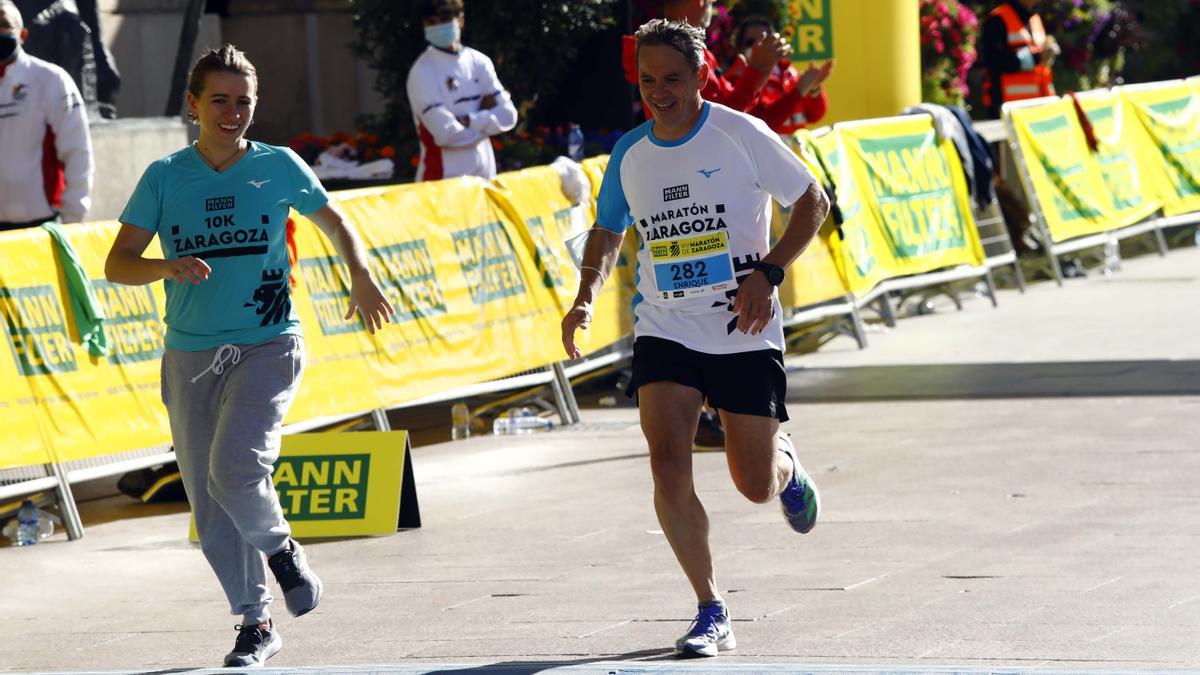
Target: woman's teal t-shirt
236,222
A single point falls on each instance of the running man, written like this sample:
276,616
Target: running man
696,181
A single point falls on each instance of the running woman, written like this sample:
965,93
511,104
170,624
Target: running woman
234,349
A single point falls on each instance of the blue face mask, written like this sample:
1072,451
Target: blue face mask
8,46
442,35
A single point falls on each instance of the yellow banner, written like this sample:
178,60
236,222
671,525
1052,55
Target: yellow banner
1067,181
859,249
535,196
340,484
907,209
60,402
1124,153
469,298
814,277
1171,118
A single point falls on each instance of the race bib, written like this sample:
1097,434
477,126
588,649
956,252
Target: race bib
692,267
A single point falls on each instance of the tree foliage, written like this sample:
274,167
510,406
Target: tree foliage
532,42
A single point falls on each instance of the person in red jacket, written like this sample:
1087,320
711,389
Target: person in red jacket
789,101
739,93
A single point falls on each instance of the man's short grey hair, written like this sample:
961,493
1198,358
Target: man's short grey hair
679,35
10,11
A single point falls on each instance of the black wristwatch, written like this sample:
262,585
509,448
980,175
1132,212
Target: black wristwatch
774,273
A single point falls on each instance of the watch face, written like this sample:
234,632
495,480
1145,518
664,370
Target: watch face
775,275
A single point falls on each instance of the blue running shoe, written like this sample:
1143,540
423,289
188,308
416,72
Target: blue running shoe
711,632
800,501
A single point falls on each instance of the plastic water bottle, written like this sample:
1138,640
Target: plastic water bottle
520,421
460,421
575,143
27,524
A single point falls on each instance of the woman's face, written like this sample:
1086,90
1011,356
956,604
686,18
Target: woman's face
225,107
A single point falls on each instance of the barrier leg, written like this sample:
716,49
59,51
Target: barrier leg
1054,267
1159,238
1018,274
568,407
66,502
860,329
379,417
991,285
886,310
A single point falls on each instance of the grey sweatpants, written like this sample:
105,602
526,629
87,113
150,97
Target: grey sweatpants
225,424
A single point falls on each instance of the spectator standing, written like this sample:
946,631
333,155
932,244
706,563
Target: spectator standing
458,102
234,347
789,101
46,172
1017,55
739,93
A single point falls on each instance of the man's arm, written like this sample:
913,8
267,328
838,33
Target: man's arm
67,117
599,259
497,113
447,130
754,304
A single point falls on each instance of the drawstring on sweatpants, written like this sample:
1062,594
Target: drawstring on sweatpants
218,363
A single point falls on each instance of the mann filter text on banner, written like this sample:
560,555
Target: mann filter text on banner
1170,115
1066,177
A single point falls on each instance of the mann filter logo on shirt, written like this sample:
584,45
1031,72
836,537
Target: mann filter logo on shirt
218,203
676,192
323,487
488,263
131,321
408,277
37,332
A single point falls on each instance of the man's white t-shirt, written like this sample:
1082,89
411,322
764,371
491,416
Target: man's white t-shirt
443,88
702,207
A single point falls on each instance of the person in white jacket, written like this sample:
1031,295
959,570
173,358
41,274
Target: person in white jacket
457,101
46,172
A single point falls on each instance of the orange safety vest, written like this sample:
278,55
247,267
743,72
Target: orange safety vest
1026,83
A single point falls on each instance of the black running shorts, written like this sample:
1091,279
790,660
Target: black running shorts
749,383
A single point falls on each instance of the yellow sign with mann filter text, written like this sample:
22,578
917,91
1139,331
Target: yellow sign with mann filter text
535,196
914,185
814,277
470,305
1170,116
1124,154
1067,180
65,403
345,484
859,249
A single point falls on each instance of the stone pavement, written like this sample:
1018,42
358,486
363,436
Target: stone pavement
1003,489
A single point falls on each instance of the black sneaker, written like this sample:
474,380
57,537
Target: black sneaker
301,588
710,433
254,646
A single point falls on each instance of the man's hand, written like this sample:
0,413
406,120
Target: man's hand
1050,51
187,269
368,299
813,77
487,102
580,317
754,304
768,52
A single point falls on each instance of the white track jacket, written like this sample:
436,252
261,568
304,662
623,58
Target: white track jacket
38,99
